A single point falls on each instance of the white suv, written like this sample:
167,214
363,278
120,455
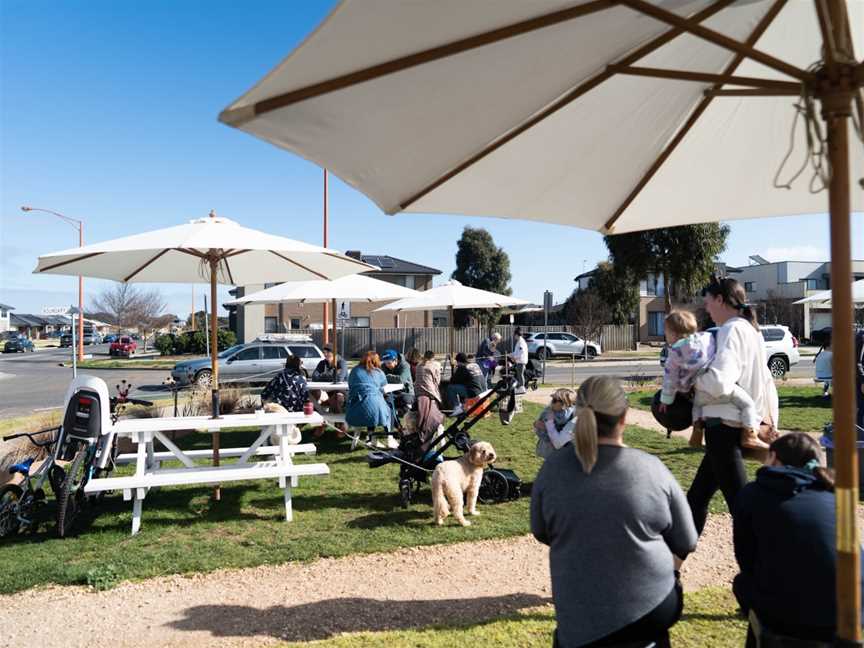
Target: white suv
781,348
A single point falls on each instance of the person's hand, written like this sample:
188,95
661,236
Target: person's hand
538,425
662,408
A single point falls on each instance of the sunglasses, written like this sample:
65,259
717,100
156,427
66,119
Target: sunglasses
557,400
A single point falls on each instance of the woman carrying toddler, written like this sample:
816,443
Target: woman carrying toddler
554,426
690,353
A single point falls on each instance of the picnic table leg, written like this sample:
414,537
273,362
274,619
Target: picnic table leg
289,513
137,500
284,455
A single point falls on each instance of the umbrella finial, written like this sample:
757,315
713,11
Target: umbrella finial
212,213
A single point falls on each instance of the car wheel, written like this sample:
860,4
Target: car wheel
202,378
592,353
778,366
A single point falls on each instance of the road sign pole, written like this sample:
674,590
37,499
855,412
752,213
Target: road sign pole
74,345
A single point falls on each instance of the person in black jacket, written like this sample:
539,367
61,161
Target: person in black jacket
467,381
331,369
785,542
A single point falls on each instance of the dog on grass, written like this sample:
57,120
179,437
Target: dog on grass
451,479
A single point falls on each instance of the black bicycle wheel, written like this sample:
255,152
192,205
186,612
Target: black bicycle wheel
71,494
10,499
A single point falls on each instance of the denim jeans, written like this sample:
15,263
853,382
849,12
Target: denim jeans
722,468
456,394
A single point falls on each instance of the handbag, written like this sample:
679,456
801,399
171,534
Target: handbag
678,416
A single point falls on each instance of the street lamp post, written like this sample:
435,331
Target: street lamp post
79,224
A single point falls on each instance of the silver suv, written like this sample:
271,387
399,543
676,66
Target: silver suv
254,362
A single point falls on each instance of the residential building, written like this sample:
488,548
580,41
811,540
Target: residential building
773,286
250,321
5,312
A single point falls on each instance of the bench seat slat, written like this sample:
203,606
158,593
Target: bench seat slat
302,448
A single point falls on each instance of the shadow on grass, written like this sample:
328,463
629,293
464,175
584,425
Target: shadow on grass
324,619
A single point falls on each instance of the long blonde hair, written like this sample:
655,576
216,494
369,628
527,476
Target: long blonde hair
600,404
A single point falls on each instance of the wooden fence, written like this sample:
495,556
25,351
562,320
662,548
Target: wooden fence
466,340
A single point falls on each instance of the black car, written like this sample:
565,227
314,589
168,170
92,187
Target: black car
18,343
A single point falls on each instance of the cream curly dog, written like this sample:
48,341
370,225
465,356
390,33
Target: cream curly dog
452,478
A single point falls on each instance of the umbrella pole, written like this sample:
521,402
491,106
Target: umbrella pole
214,368
836,110
334,326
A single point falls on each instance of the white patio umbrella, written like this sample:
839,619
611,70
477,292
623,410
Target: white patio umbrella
612,115
352,288
824,298
453,296
213,250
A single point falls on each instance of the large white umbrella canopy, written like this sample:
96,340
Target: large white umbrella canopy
612,115
355,287
212,250
551,110
453,295
824,298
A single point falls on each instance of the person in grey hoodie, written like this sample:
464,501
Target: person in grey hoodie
615,519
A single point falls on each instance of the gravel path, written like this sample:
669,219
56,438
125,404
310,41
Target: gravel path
415,587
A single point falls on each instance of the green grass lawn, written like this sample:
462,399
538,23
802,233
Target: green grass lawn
353,510
802,409
709,619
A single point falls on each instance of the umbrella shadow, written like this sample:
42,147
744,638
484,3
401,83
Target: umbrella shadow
325,619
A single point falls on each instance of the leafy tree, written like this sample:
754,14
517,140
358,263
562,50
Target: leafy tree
481,264
619,290
684,256
587,311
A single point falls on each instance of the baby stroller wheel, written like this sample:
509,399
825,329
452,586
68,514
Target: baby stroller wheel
405,491
493,488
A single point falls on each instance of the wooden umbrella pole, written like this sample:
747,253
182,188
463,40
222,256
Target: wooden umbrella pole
334,327
214,360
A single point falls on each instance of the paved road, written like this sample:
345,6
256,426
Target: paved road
34,381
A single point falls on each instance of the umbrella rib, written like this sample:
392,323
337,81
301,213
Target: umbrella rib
228,269
299,265
717,79
63,263
152,259
825,26
750,92
194,253
567,99
719,39
754,37
238,116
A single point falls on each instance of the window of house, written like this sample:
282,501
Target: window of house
656,323
271,324
812,284
295,323
360,322
749,286
399,280
409,281
651,286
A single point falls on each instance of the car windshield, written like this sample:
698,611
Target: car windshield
230,350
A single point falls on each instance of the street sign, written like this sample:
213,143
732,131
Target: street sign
547,301
344,310
55,310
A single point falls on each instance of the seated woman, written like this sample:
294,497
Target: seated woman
614,519
366,404
331,369
413,359
288,388
467,381
785,542
398,372
427,389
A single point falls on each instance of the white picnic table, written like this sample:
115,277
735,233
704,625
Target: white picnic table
145,432
343,387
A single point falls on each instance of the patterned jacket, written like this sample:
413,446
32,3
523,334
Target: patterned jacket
288,389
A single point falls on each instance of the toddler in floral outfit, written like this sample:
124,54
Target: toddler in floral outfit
690,353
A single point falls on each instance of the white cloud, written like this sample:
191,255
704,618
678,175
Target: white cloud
797,253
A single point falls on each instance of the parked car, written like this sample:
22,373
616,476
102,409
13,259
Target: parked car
781,348
123,346
16,343
256,361
547,345
111,338
91,336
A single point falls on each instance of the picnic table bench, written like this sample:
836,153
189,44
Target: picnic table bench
144,433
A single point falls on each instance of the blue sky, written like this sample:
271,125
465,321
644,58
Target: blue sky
108,113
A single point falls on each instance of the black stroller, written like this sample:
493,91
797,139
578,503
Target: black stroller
416,464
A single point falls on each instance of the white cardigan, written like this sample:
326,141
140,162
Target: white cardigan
740,360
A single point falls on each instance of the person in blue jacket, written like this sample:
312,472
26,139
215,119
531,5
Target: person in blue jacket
366,404
785,542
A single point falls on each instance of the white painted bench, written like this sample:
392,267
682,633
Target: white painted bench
145,433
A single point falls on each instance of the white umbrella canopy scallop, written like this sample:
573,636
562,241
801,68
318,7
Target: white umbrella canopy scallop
611,115
213,250
824,298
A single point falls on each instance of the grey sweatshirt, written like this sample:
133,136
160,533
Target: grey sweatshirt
611,537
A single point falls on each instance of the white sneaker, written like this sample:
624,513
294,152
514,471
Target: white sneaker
457,411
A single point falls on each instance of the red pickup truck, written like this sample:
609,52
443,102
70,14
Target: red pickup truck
124,346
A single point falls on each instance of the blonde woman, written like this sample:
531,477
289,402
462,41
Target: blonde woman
614,519
554,426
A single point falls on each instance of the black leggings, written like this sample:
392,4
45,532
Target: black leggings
654,626
722,467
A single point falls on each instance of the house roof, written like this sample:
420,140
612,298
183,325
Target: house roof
25,319
7,307
392,265
590,273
